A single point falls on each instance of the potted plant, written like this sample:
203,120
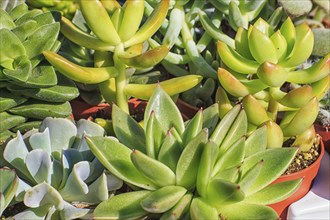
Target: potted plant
262,71
30,90
322,124
204,169
57,175
118,44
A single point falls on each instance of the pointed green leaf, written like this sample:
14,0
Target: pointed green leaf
274,193
116,157
250,176
241,211
231,174
187,167
122,206
256,142
155,171
165,111
222,192
163,199
170,151
22,70
232,157
193,128
211,117
127,130
208,158
177,211
9,185
272,167
199,209
154,136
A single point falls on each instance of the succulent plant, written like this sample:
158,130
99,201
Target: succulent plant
9,184
324,112
118,43
66,7
264,70
204,169
30,89
57,172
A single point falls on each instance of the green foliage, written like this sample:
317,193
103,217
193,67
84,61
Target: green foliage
182,164
30,88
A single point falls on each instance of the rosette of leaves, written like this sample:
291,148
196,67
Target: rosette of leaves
118,34
264,69
205,169
30,89
66,7
58,175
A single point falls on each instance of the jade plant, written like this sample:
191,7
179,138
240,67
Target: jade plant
264,69
30,89
205,169
119,37
58,175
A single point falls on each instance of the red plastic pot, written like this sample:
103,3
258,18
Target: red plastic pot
324,132
81,109
308,176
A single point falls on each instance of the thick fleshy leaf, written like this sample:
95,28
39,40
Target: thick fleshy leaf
38,162
163,199
65,90
274,193
222,192
75,186
154,136
211,117
193,128
155,171
165,110
187,167
272,167
11,48
59,140
42,39
180,208
67,159
116,157
122,206
22,70
127,130
8,100
9,121
43,194
200,209
41,140
9,185
251,211
256,142
33,213
232,157
71,212
41,110
170,151
6,20
15,154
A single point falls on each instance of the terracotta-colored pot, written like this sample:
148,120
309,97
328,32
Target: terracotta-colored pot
187,111
81,109
324,132
308,174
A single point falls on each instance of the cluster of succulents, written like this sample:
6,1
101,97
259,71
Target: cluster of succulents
246,63
57,174
30,88
204,169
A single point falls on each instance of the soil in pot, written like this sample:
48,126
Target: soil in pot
308,171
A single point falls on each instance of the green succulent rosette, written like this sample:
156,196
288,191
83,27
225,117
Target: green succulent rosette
30,89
